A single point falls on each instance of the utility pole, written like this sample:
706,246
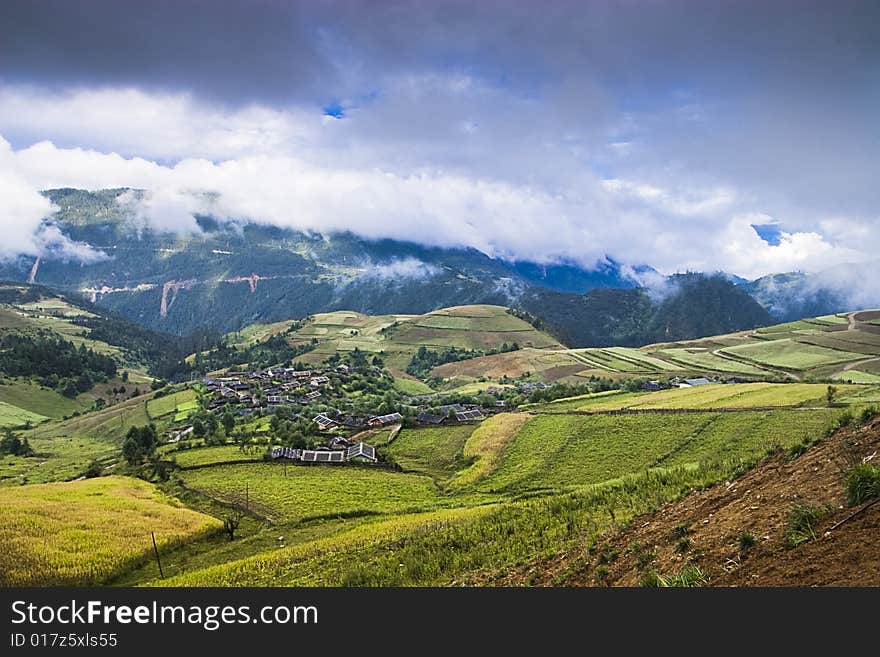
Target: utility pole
156,550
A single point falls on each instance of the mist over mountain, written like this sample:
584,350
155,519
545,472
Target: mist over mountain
225,275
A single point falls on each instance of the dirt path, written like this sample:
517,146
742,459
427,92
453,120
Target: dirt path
849,366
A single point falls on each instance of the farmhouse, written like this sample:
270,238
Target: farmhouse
689,383
319,381
313,395
324,422
430,418
361,451
286,453
382,420
652,386
468,415
322,456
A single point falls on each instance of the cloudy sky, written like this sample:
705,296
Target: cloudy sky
652,132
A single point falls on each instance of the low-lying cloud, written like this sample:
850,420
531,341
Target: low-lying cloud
400,269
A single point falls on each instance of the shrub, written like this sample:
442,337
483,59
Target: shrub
680,530
746,541
801,524
862,483
684,544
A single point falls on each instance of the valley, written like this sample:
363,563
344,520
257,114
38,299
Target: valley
471,443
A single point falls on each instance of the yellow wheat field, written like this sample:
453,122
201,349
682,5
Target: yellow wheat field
86,532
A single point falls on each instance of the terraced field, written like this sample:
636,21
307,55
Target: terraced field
737,395
400,336
558,451
820,347
704,360
790,354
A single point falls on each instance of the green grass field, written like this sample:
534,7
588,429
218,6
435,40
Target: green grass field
320,491
169,404
65,448
558,451
85,532
433,451
735,395
857,376
410,387
486,446
37,399
13,416
214,454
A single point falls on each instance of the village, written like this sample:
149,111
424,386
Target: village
320,395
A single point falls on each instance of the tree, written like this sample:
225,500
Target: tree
13,445
231,522
829,394
228,421
140,443
70,390
198,427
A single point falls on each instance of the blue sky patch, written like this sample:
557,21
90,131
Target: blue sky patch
770,233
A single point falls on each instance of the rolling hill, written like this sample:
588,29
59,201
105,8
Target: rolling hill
844,347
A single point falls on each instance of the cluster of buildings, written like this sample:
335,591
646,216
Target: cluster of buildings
341,451
273,387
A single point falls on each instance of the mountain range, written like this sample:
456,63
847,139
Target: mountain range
228,275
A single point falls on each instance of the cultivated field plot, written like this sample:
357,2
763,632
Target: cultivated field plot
789,354
13,416
788,327
433,451
486,445
854,341
470,327
306,492
86,532
705,360
184,409
554,451
215,454
719,395
856,376
642,359
411,387
513,363
171,403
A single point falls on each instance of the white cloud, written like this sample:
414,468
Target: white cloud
438,159
22,210
409,268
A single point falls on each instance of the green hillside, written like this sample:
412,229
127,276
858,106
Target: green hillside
844,347
398,337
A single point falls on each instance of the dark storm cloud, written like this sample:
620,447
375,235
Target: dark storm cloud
238,51
245,51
